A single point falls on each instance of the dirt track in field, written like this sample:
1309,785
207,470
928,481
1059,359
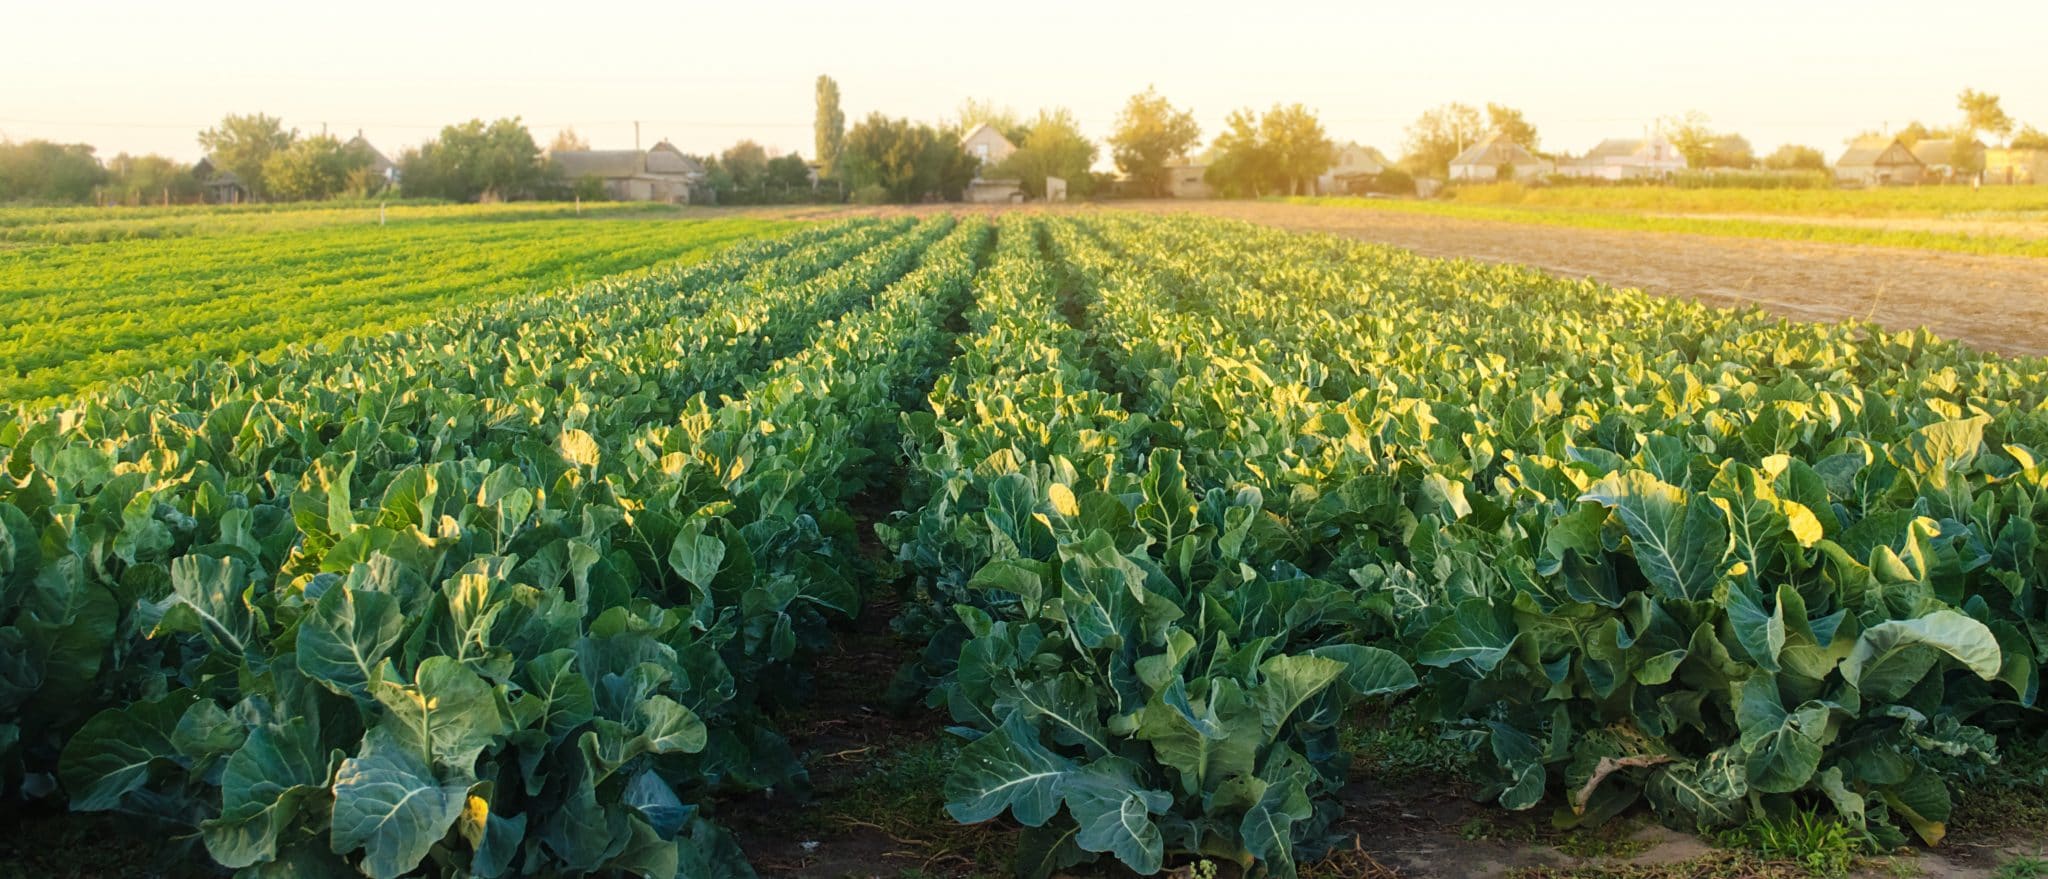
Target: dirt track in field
1996,303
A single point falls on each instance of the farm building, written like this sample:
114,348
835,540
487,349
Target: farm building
1940,156
2021,167
991,147
220,184
1187,179
1622,158
1485,159
661,174
1877,161
1354,169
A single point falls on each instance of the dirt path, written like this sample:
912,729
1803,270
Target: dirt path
1996,303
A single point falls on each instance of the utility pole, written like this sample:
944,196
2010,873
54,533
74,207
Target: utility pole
636,136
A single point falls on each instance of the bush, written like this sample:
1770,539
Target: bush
872,193
1394,181
1732,179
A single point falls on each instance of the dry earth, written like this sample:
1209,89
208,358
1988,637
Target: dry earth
1996,303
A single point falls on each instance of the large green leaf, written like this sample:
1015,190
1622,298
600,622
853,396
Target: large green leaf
1007,769
1683,548
389,804
346,638
1891,657
261,789
120,749
445,717
1114,811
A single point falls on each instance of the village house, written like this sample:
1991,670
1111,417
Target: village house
380,165
1621,158
2016,167
1485,160
1352,170
991,148
660,174
1878,161
1940,157
220,184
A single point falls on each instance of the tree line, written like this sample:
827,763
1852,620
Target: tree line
880,158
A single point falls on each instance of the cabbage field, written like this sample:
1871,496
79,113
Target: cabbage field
1161,504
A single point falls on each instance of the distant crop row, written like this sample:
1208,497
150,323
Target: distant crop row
76,316
517,592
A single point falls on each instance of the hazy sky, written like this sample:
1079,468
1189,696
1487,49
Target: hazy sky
144,77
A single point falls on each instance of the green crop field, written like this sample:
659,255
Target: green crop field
76,315
1155,506
1997,221
2008,202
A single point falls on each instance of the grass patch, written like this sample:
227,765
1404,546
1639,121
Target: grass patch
902,796
1397,745
1788,230
1713,865
2023,867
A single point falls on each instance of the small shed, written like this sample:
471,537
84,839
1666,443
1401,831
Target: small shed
2016,167
1484,161
1055,189
982,190
1878,161
1187,179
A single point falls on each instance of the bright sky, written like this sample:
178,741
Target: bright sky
146,76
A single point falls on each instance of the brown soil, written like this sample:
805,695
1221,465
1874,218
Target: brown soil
1996,303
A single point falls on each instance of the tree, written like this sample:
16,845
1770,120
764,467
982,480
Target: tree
1690,135
905,161
1240,165
1438,136
1149,133
474,161
1052,146
2029,138
747,162
787,174
568,141
1509,123
1793,157
1703,147
41,171
1730,151
140,179
1982,113
311,168
242,144
829,128
1300,148
974,111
